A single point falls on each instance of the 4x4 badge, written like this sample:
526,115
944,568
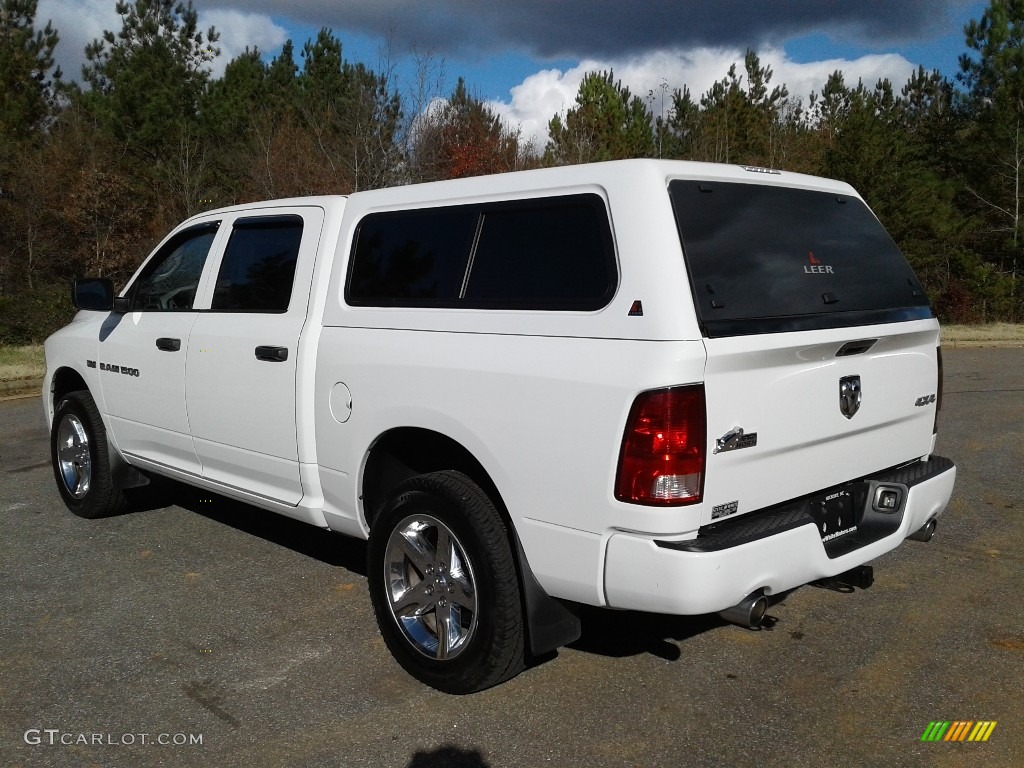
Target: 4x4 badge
849,395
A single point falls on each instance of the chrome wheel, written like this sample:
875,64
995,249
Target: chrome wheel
73,458
81,458
444,584
430,587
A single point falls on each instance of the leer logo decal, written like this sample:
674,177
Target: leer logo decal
816,267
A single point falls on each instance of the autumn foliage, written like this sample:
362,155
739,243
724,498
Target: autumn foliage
94,172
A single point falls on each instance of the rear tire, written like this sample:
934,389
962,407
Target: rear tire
444,584
81,459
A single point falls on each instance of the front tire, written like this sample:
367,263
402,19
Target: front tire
444,584
81,459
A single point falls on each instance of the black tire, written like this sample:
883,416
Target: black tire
81,460
475,586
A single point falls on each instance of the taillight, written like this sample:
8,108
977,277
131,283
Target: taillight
938,397
662,459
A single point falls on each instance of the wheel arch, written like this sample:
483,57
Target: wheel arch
66,380
404,452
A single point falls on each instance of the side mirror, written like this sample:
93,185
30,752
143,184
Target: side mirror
96,294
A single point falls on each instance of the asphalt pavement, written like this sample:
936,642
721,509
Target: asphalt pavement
204,632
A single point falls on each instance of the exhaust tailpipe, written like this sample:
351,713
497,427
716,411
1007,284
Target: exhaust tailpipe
748,612
925,533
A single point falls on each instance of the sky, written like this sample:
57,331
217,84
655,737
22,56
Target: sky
526,58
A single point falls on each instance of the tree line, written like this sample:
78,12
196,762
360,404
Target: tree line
94,173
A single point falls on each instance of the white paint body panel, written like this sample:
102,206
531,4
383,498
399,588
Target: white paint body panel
785,388
703,582
247,435
543,415
148,417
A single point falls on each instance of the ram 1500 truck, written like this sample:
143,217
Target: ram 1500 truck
662,386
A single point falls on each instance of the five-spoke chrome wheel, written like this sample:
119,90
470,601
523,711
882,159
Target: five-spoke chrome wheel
444,585
431,587
81,458
73,458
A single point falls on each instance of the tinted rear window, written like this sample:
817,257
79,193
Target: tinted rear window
411,257
258,267
767,259
549,253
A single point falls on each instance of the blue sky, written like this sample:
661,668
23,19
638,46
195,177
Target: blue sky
491,76
526,58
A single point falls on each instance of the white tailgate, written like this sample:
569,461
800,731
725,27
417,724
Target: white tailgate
786,389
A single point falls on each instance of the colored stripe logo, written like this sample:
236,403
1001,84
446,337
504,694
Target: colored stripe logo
959,730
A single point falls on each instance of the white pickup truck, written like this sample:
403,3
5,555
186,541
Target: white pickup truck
663,386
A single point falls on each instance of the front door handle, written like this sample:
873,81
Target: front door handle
272,354
168,345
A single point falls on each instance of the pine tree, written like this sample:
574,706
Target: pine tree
607,123
27,75
993,74
146,82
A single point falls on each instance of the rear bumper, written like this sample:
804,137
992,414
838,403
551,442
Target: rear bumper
769,552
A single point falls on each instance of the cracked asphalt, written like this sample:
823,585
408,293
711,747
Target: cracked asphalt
204,632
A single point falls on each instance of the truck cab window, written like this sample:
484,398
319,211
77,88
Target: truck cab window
171,278
258,268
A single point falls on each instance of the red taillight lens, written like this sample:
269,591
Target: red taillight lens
662,460
938,399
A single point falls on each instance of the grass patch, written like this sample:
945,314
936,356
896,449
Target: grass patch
992,334
18,363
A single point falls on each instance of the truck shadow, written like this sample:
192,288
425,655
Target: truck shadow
327,547
632,633
605,632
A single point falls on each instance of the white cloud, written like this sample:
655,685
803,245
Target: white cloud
804,78
238,30
540,96
79,22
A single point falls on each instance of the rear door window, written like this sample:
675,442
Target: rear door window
766,259
258,268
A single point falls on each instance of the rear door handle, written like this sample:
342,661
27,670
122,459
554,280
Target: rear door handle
272,354
168,345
